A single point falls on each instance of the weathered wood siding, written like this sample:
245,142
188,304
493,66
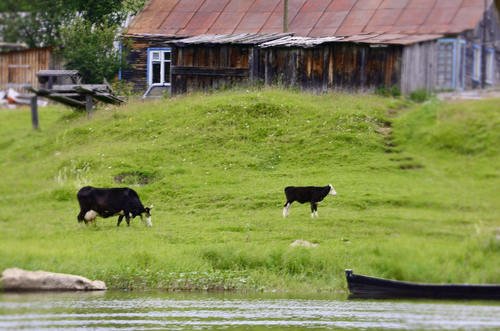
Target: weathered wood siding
137,59
201,68
336,66
423,67
487,34
18,68
418,70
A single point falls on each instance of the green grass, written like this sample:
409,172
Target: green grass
420,203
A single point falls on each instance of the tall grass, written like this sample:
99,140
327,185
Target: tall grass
214,166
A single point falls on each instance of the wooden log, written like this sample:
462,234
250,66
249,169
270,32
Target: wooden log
104,97
67,101
73,88
108,98
69,95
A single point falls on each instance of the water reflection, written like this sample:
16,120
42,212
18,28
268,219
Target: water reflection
159,311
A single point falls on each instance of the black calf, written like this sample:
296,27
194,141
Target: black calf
303,194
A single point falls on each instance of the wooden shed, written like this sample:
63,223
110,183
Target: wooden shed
182,46
18,68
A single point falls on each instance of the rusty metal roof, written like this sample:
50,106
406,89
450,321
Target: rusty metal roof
310,18
288,40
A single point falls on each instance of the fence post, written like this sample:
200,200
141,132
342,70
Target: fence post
89,104
34,112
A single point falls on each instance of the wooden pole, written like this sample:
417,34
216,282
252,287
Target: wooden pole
285,16
34,113
89,104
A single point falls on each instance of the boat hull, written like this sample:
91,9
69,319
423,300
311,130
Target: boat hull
365,287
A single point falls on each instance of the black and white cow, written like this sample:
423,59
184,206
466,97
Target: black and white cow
303,194
107,202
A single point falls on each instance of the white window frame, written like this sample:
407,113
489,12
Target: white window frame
490,66
157,55
476,63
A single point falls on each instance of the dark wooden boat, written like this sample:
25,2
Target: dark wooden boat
365,287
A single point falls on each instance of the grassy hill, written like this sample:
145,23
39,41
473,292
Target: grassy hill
418,190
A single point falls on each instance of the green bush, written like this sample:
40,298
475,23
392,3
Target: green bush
420,95
393,91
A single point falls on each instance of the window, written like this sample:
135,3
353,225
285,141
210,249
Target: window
490,65
476,63
446,64
159,62
450,70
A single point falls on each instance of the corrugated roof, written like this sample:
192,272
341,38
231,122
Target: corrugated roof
287,40
240,39
308,18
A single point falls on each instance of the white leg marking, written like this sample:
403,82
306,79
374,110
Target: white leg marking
286,210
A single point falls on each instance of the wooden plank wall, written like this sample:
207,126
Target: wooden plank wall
202,68
419,67
337,66
18,68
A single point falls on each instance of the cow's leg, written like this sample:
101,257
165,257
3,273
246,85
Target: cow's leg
286,208
314,209
127,218
120,219
81,217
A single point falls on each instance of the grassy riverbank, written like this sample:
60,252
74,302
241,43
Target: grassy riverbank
418,190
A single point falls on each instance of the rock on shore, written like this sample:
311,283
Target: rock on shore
14,279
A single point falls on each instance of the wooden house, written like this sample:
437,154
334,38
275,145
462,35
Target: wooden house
188,45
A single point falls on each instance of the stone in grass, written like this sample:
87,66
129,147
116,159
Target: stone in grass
15,279
303,243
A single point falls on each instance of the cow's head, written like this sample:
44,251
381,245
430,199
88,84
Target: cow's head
332,190
147,212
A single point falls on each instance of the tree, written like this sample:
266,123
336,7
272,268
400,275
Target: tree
89,48
39,22
82,31
36,23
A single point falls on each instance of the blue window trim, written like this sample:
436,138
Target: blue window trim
148,69
120,50
490,50
478,79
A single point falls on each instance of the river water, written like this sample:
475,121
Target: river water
163,311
